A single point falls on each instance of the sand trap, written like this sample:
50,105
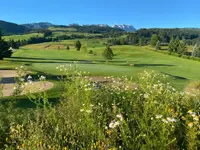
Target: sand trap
8,73
8,89
8,84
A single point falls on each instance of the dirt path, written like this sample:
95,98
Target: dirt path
7,80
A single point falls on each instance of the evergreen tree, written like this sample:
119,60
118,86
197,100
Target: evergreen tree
142,41
0,33
182,48
158,45
108,53
4,49
171,45
13,44
195,52
78,45
176,45
153,40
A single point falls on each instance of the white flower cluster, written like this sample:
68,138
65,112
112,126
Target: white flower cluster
29,80
42,78
113,124
87,109
194,115
167,120
118,85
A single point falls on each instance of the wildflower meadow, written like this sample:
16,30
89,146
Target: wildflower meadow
124,113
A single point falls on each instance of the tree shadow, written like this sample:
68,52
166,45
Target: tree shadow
152,65
176,77
47,60
7,80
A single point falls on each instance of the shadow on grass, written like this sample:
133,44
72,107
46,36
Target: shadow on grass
47,60
153,65
175,77
25,103
7,80
147,65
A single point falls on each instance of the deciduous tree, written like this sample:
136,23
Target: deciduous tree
154,40
195,52
142,41
158,45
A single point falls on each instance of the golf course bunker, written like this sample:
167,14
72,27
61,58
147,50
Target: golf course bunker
8,83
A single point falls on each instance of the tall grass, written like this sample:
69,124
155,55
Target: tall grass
122,114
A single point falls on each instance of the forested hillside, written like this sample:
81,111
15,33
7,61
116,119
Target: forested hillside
12,28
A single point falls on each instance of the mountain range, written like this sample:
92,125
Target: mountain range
128,28
9,28
45,25
40,25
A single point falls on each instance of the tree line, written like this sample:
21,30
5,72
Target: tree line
143,36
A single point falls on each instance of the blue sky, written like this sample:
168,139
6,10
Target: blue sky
139,13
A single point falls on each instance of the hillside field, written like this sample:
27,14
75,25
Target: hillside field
128,60
22,37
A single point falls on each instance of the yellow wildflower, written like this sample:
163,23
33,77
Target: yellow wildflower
190,124
183,118
190,111
23,145
196,118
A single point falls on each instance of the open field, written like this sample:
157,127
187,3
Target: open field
62,29
22,37
61,33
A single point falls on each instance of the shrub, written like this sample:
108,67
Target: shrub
185,56
90,52
68,48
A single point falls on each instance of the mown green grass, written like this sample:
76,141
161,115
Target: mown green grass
22,37
129,60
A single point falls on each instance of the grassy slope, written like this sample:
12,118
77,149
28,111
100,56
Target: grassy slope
180,70
22,37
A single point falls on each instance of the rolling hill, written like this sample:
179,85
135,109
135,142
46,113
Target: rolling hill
9,28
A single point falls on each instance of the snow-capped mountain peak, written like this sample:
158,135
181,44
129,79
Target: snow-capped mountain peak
128,28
